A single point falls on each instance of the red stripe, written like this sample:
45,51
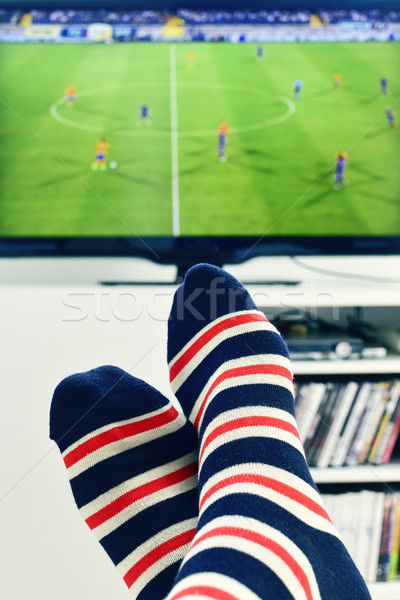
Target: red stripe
273,484
262,369
122,502
119,433
204,590
228,323
183,539
267,543
252,421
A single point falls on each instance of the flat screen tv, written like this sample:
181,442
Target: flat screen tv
201,135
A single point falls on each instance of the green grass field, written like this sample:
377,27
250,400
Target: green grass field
279,174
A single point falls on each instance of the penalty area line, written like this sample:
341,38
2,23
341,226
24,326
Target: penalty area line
174,142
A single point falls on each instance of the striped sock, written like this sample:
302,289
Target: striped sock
263,532
132,463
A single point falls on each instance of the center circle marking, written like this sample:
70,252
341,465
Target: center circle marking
191,133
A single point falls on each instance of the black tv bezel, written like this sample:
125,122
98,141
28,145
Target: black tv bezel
185,251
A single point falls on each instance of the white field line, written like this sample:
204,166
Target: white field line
174,142
162,134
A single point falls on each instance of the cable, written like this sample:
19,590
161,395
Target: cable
343,274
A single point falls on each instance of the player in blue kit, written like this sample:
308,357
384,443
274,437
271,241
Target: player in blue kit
297,85
341,161
144,115
384,85
221,147
260,52
390,117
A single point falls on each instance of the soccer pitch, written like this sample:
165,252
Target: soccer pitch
278,178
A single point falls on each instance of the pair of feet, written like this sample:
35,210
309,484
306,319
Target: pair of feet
215,503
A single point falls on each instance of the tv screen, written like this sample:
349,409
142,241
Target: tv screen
266,132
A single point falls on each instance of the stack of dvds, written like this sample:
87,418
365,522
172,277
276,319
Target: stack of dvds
369,525
351,423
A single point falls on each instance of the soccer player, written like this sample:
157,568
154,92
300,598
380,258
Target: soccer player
297,85
260,52
223,127
384,85
144,115
70,94
341,161
390,117
337,80
222,147
101,155
190,58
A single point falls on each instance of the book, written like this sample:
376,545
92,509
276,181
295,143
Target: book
342,409
392,439
325,416
384,538
313,394
358,441
300,397
380,400
344,519
394,551
313,430
386,425
365,507
363,521
393,433
389,536
351,424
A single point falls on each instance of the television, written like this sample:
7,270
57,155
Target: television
221,132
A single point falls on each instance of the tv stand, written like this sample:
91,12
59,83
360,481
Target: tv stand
56,320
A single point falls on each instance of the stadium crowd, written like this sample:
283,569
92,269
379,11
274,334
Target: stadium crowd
200,17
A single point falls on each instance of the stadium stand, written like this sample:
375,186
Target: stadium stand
201,17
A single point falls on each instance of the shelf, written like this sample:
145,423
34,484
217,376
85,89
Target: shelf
385,590
322,295
361,474
390,364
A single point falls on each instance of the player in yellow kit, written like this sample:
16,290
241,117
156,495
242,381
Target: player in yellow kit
70,94
101,155
337,80
190,58
223,128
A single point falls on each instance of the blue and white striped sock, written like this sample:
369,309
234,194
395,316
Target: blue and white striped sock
131,458
263,531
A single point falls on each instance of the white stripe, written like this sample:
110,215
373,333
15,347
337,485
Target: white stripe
249,431
298,510
163,536
216,580
251,327
110,426
210,326
195,597
150,500
174,142
171,491
247,411
265,556
245,361
242,380
214,342
91,507
125,444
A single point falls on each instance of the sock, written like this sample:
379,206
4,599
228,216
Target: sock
263,532
131,458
